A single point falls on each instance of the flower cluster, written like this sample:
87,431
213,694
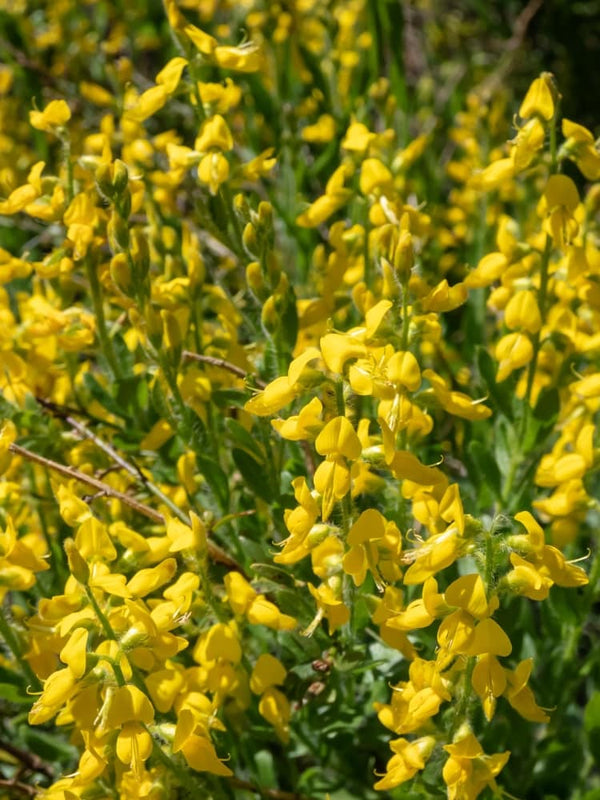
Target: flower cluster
290,384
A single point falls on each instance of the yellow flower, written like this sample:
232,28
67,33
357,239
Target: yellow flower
321,132
54,116
513,351
539,100
374,175
522,311
268,671
200,754
330,606
147,104
170,74
213,170
214,134
275,708
489,682
8,434
456,403
520,696
561,198
409,758
469,770
494,176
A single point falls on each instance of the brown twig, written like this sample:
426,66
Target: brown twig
29,760
103,488
221,363
132,469
215,552
21,788
511,47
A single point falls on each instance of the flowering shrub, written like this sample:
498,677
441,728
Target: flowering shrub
299,402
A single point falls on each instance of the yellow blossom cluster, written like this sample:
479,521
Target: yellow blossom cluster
274,404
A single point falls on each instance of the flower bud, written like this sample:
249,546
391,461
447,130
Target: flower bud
249,238
403,257
104,180
120,176
120,273
77,563
254,278
269,316
118,232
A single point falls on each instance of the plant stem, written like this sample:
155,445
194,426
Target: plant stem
105,340
215,552
223,364
542,299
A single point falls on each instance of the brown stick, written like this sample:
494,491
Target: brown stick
221,363
29,760
21,788
215,552
493,81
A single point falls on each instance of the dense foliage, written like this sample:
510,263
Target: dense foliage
300,380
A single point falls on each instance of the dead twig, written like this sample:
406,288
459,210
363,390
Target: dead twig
215,552
221,363
29,760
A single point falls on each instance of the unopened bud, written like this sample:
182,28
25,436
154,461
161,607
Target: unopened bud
249,238
123,203
254,277
140,254
104,180
269,316
120,176
240,204
78,566
317,534
265,214
120,272
118,232
403,256
171,331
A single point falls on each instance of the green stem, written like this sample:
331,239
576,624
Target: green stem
105,340
227,200
542,302
489,561
66,144
405,317
462,707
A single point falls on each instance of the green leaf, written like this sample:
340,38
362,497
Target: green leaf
105,399
506,445
160,404
223,398
483,468
48,746
500,393
245,441
216,479
591,716
265,768
288,331
11,693
591,724
541,422
254,474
